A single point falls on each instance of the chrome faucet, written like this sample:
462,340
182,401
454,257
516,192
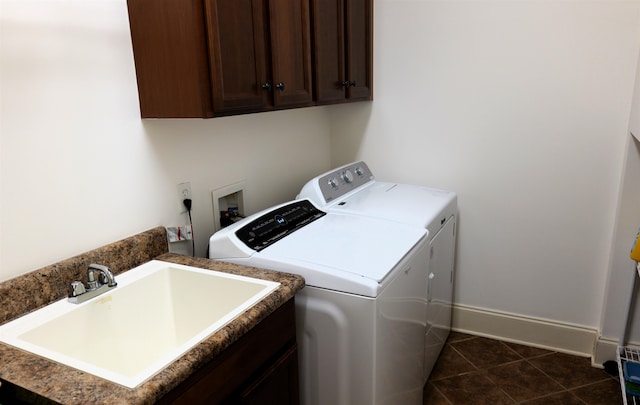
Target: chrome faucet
105,276
95,285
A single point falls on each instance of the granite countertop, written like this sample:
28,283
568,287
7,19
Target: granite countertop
56,383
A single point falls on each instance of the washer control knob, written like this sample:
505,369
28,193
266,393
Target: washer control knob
359,171
333,182
347,176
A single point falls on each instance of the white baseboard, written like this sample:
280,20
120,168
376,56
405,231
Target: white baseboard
604,350
556,336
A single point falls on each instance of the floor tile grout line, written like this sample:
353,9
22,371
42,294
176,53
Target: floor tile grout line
510,349
562,388
483,370
538,358
465,359
549,376
550,395
493,365
569,390
563,385
435,387
503,391
462,339
588,384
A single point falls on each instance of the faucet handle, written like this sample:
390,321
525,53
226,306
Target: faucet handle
77,288
92,283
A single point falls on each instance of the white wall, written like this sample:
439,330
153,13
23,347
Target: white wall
80,169
622,275
634,120
522,108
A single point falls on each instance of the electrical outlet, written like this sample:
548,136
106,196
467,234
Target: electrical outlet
184,192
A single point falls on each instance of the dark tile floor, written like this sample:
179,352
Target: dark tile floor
475,371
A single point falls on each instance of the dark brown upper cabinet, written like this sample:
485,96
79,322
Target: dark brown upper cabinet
260,54
342,50
209,58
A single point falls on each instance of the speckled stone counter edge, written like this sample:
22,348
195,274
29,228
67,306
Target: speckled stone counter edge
43,286
66,385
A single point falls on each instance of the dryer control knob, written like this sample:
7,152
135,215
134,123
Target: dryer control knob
347,176
333,182
359,171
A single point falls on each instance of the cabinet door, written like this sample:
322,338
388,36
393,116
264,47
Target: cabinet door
328,48
290,52
359,48
277,385
343,50
238,48
169,47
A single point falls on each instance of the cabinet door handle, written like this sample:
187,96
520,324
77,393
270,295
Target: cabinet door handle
352,84
280,86
266,86
347,83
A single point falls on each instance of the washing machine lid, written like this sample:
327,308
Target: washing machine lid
363,246
336,251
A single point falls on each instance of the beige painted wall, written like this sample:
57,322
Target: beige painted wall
79,168
522,107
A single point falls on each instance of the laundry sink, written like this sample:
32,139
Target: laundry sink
157,312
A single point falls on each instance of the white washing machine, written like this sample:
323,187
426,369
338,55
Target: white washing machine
353,189
360,318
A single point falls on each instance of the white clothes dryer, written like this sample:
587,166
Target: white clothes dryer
353,189
360,318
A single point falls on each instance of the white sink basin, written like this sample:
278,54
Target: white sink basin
157,312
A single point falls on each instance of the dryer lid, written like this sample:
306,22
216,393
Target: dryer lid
399,202
353,189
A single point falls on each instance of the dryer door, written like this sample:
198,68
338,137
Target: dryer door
439,292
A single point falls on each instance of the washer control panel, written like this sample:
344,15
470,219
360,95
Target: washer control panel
278,223
341,181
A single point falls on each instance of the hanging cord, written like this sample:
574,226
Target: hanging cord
187,204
